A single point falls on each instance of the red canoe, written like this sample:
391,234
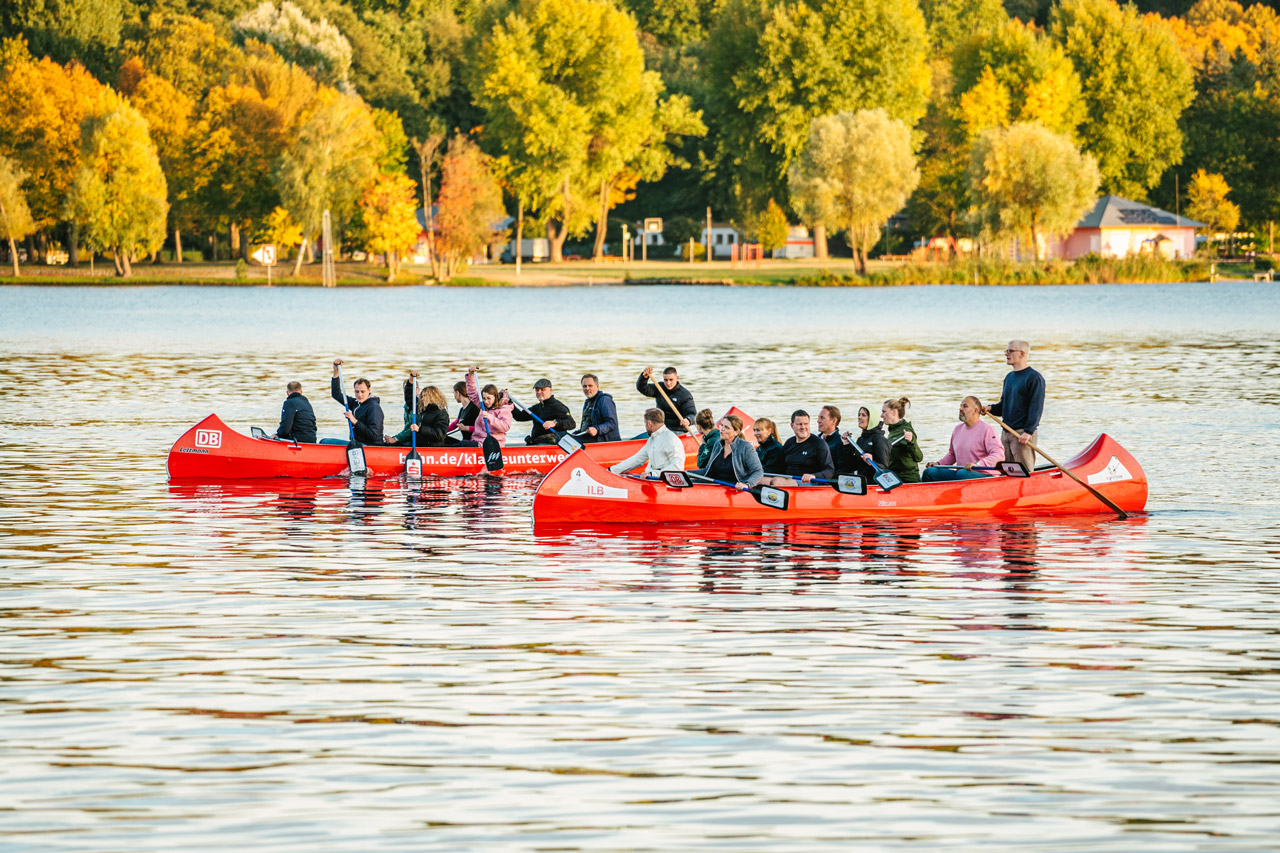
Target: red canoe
211,450
580,491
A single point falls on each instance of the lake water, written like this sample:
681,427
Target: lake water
309,667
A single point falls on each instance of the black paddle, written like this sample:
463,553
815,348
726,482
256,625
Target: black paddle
489,447
765,495
355,451
884,478
413,462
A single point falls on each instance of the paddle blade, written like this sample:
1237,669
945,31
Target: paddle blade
569,444
492,453
413,466
772,497
1013,468
851,484
355,460
676,479
888,480
257,432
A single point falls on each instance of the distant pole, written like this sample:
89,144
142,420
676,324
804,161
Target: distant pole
328,275
690,250
708,233
644,245
519,232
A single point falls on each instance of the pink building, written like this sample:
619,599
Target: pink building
1117,227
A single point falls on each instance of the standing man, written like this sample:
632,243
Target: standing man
297,419
547,414
599,414
1021,404
679,419
804,456
364,411
662,450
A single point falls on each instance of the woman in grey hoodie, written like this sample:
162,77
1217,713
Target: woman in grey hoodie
735,460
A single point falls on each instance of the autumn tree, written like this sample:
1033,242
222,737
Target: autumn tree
772,228
1025,180
1138,85
388,209
15,217
119,193
470,205
855,171
1207,201
279,230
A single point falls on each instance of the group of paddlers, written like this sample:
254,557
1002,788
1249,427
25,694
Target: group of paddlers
889,443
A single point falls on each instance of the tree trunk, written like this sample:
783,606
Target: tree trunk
116,258
602,224
391,266
557,236
297,265
128,269
233,237
31,248
820,241
73,245
13,256
177,246
213,240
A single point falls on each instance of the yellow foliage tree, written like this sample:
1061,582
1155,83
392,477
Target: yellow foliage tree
15,217
279,230
1207,201
389,210
985,105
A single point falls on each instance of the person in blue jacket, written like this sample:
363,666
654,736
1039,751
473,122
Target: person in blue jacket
599,414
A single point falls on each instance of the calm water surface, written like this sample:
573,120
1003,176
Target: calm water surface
347,667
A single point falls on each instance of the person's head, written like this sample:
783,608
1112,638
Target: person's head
362,389
730,428
970,410
430,395
800,424
864,417
489,393
653,419
705,421
764,428
894,410
1015,355
670,378
460,392
590,384
542,390
293,387
828,419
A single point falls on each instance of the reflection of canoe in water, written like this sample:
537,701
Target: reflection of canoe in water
579,490
211,450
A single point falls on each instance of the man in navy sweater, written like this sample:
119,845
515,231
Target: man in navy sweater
1021,404
297,419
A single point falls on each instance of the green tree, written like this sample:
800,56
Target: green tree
856,171
1025,180
329,165
470,205
119,196
15,217
388,210
773,227
83,31
1137,85
1207,201
795,62
317,46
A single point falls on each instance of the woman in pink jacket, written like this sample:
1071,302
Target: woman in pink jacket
496,418
974,443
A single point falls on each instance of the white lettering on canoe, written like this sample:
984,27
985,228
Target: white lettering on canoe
1113,473
208,438
887,503
581,485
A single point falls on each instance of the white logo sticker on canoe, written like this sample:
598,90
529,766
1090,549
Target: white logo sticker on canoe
1113,473
208,438
581,485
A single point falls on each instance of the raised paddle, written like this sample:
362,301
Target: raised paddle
413,462
1097,494
489,447
355,451
663,392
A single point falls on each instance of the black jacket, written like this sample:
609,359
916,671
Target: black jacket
297,419
368,425
679,395
811,457
433,423
550,409
770,454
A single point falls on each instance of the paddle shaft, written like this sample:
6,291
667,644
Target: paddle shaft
663,391
413,433
342,389
537,420
1055,463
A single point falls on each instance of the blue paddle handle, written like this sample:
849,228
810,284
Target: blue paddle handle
480,397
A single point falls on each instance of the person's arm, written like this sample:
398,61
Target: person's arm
688,410
609,417
948,458
472,392
563,418
824,459
1035,403
646,387
335,391
500,418
286,420
523,415
640,458
751,461
992,449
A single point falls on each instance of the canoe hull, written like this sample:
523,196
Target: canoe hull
580,491
211,450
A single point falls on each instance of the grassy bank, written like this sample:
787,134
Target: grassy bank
1087,270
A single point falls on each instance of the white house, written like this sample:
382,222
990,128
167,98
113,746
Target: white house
799,243
723,236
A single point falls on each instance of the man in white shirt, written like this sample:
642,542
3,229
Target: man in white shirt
662,450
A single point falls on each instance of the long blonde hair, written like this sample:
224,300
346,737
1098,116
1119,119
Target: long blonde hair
430,394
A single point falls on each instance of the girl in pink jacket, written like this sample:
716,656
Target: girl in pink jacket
496,416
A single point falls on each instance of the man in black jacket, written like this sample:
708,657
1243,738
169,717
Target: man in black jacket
297,419
805,455
679,419
547,414
365,412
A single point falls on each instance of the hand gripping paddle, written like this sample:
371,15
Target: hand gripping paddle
413,462
769,496
355,452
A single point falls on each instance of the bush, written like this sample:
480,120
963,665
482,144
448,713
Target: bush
190,256
1262,264
242,270
682,251
1090,269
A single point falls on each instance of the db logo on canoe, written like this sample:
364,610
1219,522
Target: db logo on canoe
208,438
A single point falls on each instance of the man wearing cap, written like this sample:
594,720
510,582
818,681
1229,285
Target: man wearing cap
547,414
